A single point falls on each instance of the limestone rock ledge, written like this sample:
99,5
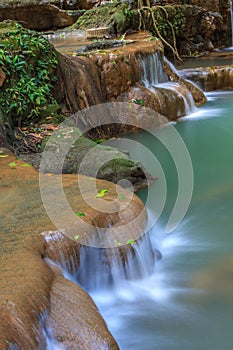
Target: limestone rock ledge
33,294
211,78
115,75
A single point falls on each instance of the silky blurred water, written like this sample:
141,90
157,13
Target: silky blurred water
187,302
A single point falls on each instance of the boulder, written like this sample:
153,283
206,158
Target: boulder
38,16
75,153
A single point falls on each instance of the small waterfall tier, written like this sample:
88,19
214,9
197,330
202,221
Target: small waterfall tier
105,268
181,93
152,70
174,98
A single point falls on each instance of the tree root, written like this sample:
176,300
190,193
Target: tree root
148,8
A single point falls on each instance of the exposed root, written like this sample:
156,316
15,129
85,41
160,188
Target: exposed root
148,8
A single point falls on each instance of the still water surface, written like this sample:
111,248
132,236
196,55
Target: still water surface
187,303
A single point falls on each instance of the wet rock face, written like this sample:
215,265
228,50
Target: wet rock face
210,79
29,286
115,75
84,328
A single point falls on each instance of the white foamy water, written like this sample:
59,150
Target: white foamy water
152,70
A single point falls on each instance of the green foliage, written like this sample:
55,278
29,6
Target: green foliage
29,62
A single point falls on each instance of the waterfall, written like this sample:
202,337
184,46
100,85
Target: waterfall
152,70
231,10
155,78
101,269
182,93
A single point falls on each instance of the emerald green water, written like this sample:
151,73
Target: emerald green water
187,303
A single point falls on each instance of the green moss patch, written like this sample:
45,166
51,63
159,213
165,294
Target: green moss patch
118,17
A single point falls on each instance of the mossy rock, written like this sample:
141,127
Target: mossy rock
29,62
70,152
117,16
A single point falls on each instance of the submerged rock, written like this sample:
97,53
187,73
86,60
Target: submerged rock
215,281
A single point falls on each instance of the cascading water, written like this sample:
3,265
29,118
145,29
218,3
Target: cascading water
152,70
104,268
154,76
183,93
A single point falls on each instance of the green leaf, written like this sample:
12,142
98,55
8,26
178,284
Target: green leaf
27,165
78,213
101,193
13,164
138,102
76,237
130,241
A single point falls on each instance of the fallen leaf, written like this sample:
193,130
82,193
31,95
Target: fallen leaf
78,213
130,241
101,194
13,164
